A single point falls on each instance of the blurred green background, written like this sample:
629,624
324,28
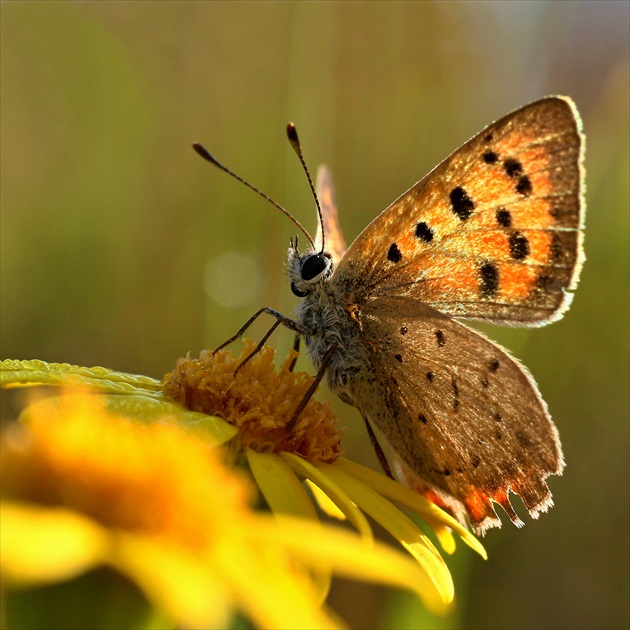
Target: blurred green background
120,247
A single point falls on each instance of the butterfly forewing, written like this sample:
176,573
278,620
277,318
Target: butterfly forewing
463,420
494,232
335,242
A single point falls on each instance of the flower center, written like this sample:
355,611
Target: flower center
259,400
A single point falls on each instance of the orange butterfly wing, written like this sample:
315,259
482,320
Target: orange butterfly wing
494,232
335,243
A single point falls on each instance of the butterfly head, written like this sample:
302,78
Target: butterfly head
307,270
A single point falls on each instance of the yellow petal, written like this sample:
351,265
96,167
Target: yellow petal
407,497
36,372
47,544
271,589
445,536
348,556
281,488
439,585
332,490
184,584
151,408
324,502
286,495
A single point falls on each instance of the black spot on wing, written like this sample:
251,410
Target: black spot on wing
398,358
442,471
455,394
461,204
519,246
488,279
424,232
504,218
513,168
490,157
441,340
403,330
524,186
430,376
393,254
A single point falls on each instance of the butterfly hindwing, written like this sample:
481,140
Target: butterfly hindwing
494,232
463,420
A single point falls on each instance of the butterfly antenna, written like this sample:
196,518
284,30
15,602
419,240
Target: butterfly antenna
295,143
206,155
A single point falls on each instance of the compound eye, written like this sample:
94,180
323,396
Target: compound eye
313,266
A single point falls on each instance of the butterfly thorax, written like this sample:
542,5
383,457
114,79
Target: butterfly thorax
327,317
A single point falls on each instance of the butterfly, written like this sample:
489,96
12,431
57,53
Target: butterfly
493,233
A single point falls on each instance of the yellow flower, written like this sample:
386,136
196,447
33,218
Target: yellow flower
84,486
260,403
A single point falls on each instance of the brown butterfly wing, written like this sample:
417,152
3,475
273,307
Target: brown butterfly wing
463,420
335,243
494,232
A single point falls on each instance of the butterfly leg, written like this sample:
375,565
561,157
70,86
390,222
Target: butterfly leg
382,460
330,353
282,319
257,349
296,347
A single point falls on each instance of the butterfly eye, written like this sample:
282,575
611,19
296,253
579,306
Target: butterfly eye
313,266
